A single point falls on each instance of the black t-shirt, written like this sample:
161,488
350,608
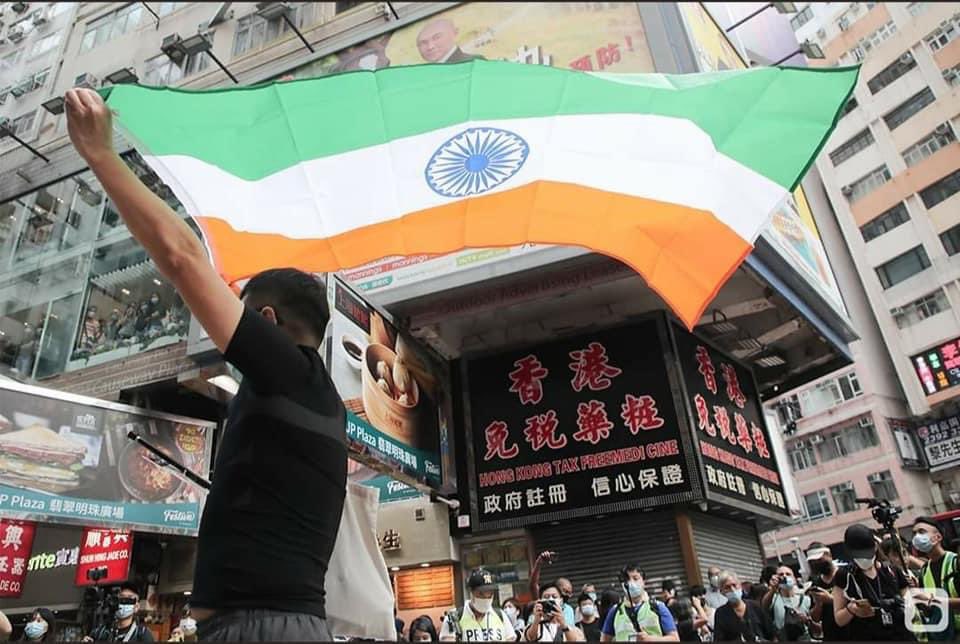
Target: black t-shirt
888,584
754,627
591,631
272,515
831,631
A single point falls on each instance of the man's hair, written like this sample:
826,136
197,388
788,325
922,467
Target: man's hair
548,587
726,575
131,587
697,591
299,300
584,597
930,521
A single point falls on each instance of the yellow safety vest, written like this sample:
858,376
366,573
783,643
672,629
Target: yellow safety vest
647,618
492,629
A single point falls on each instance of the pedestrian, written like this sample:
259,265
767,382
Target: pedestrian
823,570
125,627
689,621
589,589
714,598
639,616
668,591
479,620
422,629
940,573
281,467
42,626
589,624
514,612
563,584
398,625
868,597
609,599
549,623
739,620
701,611
788,608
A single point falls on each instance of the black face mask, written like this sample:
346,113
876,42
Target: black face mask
821,567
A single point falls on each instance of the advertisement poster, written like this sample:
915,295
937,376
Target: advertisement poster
729,424
575,428
16,543
941,442
104,557
938,368
792,230
394,394
51,570
67,459
591,36
392,490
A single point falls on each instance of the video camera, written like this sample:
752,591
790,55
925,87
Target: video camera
883,511
100,604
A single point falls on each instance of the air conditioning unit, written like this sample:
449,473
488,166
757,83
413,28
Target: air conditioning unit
816,439
6,125
86,80
171,47
943,129
847,190
22,87
906,58
20,7
41,17
15,33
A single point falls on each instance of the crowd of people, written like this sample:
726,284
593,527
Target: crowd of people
136,324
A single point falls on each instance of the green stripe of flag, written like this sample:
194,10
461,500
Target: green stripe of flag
773,120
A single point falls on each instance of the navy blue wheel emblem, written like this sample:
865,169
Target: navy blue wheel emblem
475,161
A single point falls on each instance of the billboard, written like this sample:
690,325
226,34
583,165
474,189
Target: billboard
732,436
578,427
15,549
938,368
107,552
395,394
941,442
51,571
67,459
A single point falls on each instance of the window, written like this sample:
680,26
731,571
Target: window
166,8
802,457
849,440
849,106
113,25
952,76
867,183
951,240
941,190
844,497
254,32
58,8
816,506
891,72
860,141
802,18
886,222
40,78
917,8
160,70
921,309
8,61
849,386
829,393
340,7
868,42
45,44
902,113
903,267
23,124
882,486
943,35
928,145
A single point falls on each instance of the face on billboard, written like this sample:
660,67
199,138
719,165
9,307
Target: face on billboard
437,39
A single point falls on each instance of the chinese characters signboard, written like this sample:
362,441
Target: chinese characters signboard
578,427
729,425
16,541
941,442
67,459
106,549
938,368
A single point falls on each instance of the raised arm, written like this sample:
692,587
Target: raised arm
172,245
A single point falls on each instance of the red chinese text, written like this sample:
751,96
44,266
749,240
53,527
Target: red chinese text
640,413
759,441
541,431
609,55
497,435
591,369
705,369
703,415
593,425
583,63
734,393
743,433
526,379
722,418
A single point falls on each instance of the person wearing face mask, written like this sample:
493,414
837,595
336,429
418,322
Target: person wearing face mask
126,628
639,617
423,630
939,572
789,609
42,627
823,568
714,599
868,596
589,622
514,612
668,591
188,628
739,620
479,620
548,624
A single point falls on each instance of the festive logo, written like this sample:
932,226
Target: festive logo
475,161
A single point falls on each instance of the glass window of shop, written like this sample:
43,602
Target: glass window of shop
507,559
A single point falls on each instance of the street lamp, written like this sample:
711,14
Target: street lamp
177,49
273,10
811,50
781,7
6,129
122,75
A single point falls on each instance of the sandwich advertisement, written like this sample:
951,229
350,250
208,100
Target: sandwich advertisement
67,459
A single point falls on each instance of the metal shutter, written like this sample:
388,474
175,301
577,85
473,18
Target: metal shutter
728,544
594,551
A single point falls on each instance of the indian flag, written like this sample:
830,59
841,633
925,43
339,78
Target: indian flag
673,175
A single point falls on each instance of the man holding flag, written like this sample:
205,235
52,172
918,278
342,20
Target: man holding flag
272,515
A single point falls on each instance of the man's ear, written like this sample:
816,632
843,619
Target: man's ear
269,313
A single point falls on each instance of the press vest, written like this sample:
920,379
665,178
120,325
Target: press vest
948,581
647,618
492,629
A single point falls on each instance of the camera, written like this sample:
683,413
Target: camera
96,574
549,606
883,511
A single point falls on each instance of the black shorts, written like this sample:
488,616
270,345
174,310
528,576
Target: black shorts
260,625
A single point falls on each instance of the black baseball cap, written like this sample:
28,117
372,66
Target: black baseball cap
859,541
481,579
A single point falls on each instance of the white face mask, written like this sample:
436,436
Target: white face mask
482,605
588,610
865,564
188,625
511,612
125,610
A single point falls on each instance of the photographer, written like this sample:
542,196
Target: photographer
639,617
125,627
479,620
789,609
940,573
868,597
548,623
824,570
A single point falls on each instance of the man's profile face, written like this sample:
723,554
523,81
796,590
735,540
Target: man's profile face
436,40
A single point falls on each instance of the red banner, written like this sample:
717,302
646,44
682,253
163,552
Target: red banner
16,542
104,549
